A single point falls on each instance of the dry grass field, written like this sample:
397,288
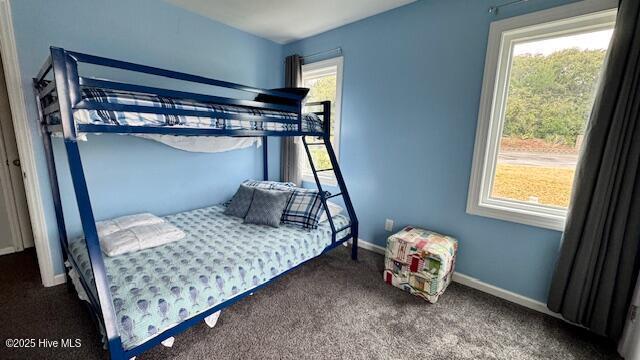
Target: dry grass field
552,186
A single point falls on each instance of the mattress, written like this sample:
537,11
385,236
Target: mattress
220,257
282,120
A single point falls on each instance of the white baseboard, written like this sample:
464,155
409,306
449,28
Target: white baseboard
7,250
503,294
479,285
371,247
57,280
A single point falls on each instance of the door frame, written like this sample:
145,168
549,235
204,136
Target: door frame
24,140
9,201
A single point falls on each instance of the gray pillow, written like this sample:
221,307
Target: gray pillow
267,207
240,202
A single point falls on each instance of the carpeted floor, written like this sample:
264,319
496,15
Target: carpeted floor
330,308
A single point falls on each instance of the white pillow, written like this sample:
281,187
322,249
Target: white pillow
108,227
334,209
139,238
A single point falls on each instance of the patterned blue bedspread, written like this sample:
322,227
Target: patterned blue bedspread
310,122
155,289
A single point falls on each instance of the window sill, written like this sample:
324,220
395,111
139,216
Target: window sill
522,216
324,180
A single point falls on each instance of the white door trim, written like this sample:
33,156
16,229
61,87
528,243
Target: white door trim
24,140
9,201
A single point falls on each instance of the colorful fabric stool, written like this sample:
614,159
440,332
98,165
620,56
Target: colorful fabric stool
420,262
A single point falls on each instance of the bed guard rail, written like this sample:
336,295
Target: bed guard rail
62,94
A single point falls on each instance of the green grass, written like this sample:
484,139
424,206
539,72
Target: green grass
552,186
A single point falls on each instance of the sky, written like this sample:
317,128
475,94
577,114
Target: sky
586,41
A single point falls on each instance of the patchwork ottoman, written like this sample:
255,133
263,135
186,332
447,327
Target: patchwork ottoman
420,262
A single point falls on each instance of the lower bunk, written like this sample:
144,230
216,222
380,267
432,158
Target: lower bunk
161,291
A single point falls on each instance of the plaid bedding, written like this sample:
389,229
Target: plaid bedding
269,185
310,122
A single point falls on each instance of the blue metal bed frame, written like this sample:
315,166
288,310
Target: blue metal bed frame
61,97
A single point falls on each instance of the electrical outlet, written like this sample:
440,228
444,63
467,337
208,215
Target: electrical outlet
388,225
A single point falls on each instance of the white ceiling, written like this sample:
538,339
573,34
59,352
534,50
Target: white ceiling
284,21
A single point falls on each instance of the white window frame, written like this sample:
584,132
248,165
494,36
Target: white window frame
320,68
503,35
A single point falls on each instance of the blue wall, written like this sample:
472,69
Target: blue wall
411,90
412,80
127,174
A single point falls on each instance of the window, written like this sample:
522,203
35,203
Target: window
324,79
541,74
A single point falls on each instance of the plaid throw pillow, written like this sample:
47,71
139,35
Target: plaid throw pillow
303,209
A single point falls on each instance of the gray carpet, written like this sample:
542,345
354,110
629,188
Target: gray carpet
329,308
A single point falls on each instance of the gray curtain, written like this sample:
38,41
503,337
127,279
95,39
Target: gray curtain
290,153
598,263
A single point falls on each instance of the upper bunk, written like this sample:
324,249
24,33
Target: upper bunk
73,104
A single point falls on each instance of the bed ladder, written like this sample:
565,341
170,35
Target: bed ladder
335,168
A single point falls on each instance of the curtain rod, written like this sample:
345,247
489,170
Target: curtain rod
337,50
496,8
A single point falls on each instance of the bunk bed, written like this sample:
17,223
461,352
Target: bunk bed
71,105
